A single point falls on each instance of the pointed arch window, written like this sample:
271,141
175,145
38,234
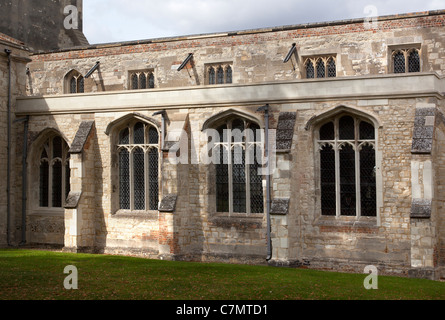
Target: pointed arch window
138,153
237,158
142,79
406,60
54,173
219,74
320,67
347,164
74,82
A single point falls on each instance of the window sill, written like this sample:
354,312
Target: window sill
129,214
54,212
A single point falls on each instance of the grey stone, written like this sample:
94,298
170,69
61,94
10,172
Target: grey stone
72,200
280,206
421,209
168,203
81,137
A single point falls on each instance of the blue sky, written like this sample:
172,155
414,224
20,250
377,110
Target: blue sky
123,20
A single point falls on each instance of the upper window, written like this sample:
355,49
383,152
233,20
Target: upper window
54,173
138,149
320,67
219,73
347,167
143,79
237,156
406,60
74,82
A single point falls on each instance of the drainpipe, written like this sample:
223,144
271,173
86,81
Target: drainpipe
24,176
8,171
269,240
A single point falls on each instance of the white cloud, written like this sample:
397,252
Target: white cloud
122,20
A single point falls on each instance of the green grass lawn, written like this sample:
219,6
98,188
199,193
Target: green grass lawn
39,275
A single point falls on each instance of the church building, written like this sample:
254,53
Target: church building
319,145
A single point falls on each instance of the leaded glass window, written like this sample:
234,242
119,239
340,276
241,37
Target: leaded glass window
54,173
310,70
138,150
347,167
399,62
143,79
76,83
219,74
406,60
320,67
414,61
238,158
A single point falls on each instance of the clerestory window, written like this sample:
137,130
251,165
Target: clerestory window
143,79
237,156
320,67
219,74
54,173
74,82
347,166
138,150
406,60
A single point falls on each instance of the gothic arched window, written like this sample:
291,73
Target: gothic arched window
321,67
74,82
138,153
237,158
406,60
54,173
347,167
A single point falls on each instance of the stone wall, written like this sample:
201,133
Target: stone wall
189,226
19,58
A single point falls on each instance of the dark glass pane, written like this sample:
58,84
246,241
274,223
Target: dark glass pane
327,177
256,180
222,131
368,182
73,85
220,76
347,181
57,185
414,61
124,136
332,69
139,179
237,130
153,136
44,154
347,128
151,81
399,62
222,179
139,133
134,81
212,76
67,179
229,75
367,131
153,178
327,132
321,69
124,180
57,147
310,70
239,179
143,81
81,85
44,184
